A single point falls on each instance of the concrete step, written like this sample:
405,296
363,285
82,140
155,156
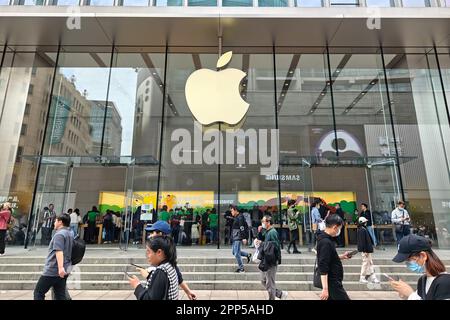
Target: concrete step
5,260
210,268
198,285
193,276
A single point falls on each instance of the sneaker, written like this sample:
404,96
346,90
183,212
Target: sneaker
284,295
314,250
287,250
239,270
363,279
296,252
249,256
373,279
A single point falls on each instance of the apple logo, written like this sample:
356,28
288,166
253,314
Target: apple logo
213,96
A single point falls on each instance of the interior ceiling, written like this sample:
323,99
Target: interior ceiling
242,27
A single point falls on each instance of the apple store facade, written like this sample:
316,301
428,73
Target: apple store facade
347,120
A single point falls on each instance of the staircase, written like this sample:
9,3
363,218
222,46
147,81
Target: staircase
203,269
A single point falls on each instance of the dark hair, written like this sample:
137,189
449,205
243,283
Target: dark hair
165,243
65,219
333,220
291,202
316,202
77,211
364,204
433,264
70,210
164,207
268,218
94,208
400,202
233,207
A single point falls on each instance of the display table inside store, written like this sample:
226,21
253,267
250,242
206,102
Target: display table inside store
300,231
100,231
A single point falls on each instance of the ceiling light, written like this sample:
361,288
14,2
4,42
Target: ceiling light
338,70
322,94
286,84
291,71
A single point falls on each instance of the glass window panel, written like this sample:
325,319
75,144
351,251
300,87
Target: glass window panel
364,135
168,3
32,2
273,3
130,3
189,181
101,2
380,3
244,175
416,3
4,2
65,2
304,120
237,3
309,3
21,131
79,92
345,3
202,3
421,126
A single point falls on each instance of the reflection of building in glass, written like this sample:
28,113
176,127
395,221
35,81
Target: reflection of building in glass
112,137
148,114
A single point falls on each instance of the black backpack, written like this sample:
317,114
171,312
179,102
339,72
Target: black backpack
78,249
269,255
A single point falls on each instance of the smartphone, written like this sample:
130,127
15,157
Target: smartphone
389,277
128,275
351,254
137,266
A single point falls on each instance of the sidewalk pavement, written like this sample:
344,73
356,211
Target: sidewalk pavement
201,295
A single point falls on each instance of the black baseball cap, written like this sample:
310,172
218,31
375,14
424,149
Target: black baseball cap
409,245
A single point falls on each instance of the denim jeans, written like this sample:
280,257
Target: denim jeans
238,254
372,234
74,228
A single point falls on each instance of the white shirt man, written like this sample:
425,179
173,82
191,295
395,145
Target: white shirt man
400,215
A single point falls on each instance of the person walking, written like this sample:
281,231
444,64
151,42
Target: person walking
5,217
401,220
162,283
329,262
58,263
292,215
162,228
270,256
365,246
239,235
434,284
213,225
228,224
365,212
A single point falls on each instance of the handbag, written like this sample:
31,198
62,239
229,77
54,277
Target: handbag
317,281
399,226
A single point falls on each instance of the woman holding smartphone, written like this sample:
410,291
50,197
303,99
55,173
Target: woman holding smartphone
162,283
434,284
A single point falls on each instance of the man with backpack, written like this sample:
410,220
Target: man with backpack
270,256
58,263
239,235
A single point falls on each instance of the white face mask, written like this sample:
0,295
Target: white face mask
264,225
339,232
